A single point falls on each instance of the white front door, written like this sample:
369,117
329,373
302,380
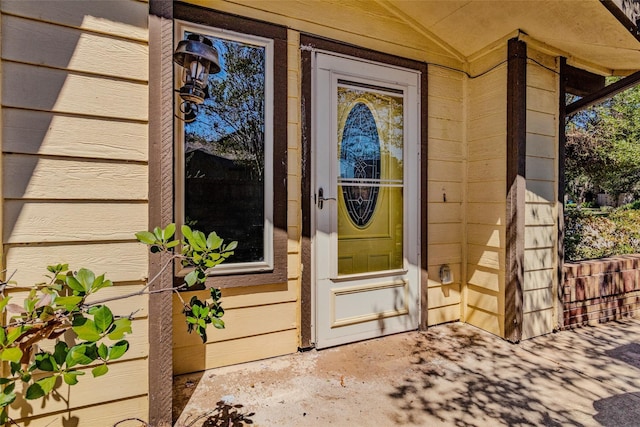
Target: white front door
366,203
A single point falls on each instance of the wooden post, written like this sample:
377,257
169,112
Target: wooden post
562,91
516,187
160,208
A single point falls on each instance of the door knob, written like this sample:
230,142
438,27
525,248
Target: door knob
322,199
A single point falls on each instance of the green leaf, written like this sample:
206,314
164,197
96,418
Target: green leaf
103,351
60,352
187,233
34,391
15,367
100,370
120,328
71,377
81,354
103,318
173,244
6,399
118,349
46,362
157,231
4,381
146,237
3,302
9,389
69,303
75,285
47,383
231,246
3,336
216,294
86,278
217,323
100,283
200,239
85,329
11,354
195,309
214,241
15,333
169,231
191,278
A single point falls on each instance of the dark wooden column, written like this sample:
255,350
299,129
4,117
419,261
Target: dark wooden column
160,207
562,93
516,186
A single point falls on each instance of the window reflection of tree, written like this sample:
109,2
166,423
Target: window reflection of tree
231,122
225,152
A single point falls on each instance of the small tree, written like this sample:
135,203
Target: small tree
30,339
602,150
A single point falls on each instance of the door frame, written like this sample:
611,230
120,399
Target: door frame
308,44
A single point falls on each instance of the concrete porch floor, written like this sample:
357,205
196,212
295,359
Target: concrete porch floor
450,375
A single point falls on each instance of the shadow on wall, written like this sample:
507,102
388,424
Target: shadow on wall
63,90
74,95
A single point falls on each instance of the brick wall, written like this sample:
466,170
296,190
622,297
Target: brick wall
602,290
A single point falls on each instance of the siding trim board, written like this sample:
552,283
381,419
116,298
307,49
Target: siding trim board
516,187
160,364
306,292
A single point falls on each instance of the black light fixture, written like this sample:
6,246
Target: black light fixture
198,58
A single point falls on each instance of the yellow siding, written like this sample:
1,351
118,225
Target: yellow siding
486,192
231,352
348,21
445,178
109,414
74,172
541,233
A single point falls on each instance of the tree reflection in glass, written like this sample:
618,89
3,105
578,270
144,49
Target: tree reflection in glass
225,152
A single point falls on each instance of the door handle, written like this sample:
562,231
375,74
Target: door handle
322,199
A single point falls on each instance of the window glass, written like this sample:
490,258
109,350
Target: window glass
226,152
371,181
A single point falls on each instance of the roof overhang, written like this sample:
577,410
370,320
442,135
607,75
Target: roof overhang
585,31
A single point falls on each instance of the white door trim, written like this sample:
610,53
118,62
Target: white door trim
330,67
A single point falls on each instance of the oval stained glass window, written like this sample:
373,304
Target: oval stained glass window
360,164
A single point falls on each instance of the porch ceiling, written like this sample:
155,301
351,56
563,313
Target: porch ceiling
584,30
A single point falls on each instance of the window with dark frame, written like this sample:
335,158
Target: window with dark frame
227,178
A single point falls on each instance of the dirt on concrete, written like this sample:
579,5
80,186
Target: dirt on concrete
450,375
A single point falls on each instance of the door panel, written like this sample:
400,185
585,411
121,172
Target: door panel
366,158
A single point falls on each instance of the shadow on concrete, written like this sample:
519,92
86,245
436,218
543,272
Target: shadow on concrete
224,415
629,353
622,410
450,375
483,381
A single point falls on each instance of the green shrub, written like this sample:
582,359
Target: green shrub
589,235
632,206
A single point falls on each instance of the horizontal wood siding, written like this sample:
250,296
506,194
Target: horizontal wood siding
74,175
486,197
445,180
347,21
541,232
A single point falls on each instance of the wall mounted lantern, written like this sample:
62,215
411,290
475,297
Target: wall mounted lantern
198,58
